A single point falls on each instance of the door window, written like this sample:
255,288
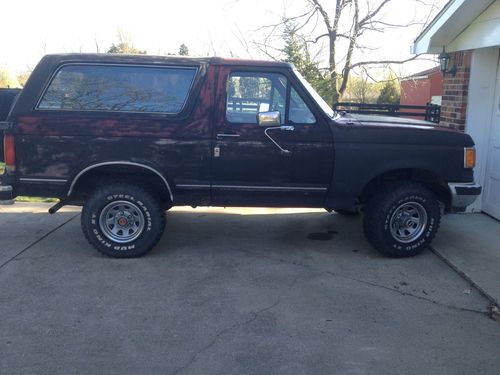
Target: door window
251,93
299,112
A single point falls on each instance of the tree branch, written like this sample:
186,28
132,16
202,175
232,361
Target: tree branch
396,25
381,62
306,22
315,40
370,15
324,14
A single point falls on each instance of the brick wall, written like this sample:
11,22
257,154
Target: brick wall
455,91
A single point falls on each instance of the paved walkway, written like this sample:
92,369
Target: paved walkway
470,243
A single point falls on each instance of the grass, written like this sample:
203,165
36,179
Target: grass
30,199
36,199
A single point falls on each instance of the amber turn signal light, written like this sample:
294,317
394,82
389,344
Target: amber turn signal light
469,157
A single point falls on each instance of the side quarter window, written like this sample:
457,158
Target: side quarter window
119,88
249,93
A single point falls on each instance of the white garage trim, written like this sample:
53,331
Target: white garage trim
480,105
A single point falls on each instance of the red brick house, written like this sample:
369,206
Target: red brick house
422,88
469,30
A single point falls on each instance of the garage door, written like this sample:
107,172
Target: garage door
491,196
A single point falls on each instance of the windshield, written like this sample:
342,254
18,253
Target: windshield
324,105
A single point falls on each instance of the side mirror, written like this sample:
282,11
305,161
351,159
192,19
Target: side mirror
272,118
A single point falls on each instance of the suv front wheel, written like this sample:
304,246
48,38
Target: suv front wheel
122,220
402,219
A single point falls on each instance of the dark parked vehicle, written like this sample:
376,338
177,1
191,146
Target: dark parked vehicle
128,137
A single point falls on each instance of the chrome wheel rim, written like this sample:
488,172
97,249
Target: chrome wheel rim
408,222
121,221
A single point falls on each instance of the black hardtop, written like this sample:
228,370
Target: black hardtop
118,58
48,65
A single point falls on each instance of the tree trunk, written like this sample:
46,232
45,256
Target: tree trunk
333,69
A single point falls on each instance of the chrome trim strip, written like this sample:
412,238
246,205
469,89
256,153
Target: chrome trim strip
251,187
192,186
73,183
25,179
284,188
222,135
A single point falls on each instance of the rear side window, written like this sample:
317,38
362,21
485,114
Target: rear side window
119,88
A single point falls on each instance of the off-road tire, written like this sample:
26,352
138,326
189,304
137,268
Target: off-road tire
150,207
385,203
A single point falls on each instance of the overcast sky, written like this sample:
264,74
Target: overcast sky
29,29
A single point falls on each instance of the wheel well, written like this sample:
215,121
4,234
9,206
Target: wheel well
106,174
434,182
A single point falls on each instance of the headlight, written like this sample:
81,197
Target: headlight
469,157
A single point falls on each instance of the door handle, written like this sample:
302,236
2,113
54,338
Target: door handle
284,128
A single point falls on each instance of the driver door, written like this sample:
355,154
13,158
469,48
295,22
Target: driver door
248,168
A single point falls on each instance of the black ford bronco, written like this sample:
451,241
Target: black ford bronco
128,137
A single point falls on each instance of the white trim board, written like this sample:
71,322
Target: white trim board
480,105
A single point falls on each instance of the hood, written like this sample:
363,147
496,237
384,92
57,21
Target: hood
403,130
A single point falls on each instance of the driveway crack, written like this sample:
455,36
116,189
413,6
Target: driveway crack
222,332
403,293
37,241
334,274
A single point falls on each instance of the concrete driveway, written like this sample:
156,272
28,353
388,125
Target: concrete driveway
240,291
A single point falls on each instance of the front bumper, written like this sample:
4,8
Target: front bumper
463,194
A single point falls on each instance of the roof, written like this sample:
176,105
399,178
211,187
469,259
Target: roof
423,74
152,59
461,25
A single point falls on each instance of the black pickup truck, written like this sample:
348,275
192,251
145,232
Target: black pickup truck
128,137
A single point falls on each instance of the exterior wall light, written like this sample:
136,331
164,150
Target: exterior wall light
444,60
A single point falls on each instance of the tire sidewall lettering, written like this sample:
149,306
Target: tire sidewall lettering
423,238
96,231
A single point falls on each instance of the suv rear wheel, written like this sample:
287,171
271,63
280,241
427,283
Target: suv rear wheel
402,219
122,220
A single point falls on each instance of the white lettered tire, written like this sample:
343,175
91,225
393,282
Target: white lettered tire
122,220
402,219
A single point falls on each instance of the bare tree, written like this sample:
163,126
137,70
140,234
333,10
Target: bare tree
342,24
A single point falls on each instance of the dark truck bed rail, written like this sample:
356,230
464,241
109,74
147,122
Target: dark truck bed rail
429,112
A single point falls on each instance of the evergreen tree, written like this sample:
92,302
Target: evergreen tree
389,94
295,51
183,50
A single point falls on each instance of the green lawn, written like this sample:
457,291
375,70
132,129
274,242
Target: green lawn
36,199
29,199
